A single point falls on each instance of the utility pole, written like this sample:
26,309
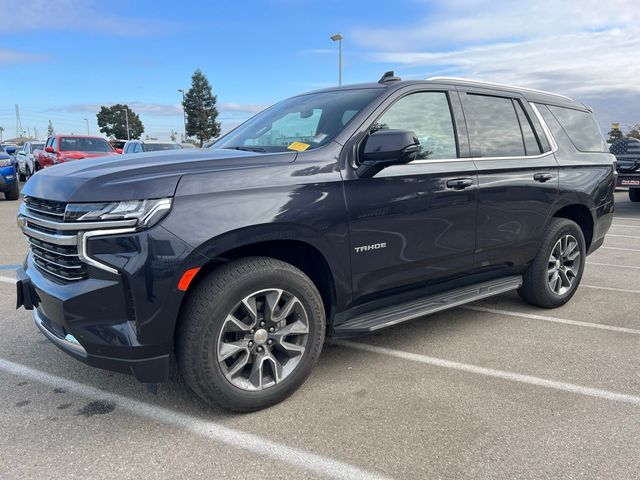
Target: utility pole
126,117
88,132
19,131
35,132
338,38
184,114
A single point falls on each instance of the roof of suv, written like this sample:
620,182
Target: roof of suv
390,81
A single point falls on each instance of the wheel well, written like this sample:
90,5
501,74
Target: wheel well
582,216
299,254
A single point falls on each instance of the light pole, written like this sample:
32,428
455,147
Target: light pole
184,114
126,117
87,120
338,38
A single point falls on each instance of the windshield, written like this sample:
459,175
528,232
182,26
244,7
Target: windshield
299,123
154,147
34,146
81,144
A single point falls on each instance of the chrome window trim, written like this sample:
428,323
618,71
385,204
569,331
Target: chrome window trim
83,238
545,127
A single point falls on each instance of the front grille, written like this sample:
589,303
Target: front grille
45,208
61,262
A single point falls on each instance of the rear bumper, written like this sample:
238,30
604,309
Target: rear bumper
628,180
602,220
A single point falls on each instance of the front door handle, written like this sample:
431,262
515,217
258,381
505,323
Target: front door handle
460,183
542,177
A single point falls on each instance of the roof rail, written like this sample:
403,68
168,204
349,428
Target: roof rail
480,82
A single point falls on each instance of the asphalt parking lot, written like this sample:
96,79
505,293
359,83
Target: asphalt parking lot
498,389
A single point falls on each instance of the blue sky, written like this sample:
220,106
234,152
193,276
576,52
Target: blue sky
62,59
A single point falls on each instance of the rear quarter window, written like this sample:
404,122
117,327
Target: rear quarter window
581,128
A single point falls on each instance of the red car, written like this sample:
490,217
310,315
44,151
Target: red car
65,148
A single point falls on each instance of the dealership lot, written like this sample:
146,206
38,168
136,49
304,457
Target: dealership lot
498,389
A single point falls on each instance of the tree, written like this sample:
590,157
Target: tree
634,132
200,107
1,132
50,129
615,133
113,122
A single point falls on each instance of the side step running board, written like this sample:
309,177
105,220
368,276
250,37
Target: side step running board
388,316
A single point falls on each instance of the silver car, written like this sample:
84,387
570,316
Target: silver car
27,161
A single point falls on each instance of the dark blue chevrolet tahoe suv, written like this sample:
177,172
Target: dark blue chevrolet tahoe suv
337,212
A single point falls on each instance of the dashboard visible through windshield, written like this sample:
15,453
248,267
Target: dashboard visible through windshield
299,123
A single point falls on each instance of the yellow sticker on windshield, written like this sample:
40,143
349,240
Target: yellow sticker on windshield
298,146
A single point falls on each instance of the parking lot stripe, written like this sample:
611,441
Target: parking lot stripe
8,280
611,289
491,372
622,249
613,265
622,236
255,444
625,226
544,318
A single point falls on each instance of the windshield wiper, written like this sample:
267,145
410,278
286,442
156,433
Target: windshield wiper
247,149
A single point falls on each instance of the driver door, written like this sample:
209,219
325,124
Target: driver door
414,224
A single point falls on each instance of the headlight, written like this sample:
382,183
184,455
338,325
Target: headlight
147,212
5,162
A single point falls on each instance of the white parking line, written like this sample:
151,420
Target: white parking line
296,457
544,318
625,226
611,289
622,236
7,280
490,372
622,249
633,267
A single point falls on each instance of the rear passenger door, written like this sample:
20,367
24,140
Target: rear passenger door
517,176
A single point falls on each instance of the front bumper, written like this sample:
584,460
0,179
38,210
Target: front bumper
121,321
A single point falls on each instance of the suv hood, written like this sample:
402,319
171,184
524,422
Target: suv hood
138,176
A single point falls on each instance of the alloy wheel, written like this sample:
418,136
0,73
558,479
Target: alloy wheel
564,264
263,339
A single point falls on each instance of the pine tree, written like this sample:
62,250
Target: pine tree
634,132
50,129
200,107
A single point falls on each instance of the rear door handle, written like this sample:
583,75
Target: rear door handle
542,177
460,183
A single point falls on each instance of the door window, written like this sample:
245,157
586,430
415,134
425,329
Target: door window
428,116
494,129
531,145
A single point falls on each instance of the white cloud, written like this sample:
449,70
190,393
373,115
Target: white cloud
158,109
588,49
8,57
77,15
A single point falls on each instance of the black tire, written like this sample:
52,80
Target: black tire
13,193
21,176
203,315
536,289
634,194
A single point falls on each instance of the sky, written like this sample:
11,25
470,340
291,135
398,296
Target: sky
60,60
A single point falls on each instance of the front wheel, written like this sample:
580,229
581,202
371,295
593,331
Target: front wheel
250,334
13,193
634,194
555,273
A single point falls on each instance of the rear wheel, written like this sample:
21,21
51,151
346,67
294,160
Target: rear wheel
13,193
250,334
554,275
634,194
22,176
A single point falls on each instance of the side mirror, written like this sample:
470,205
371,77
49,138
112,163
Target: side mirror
118,150
387,147
49,150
